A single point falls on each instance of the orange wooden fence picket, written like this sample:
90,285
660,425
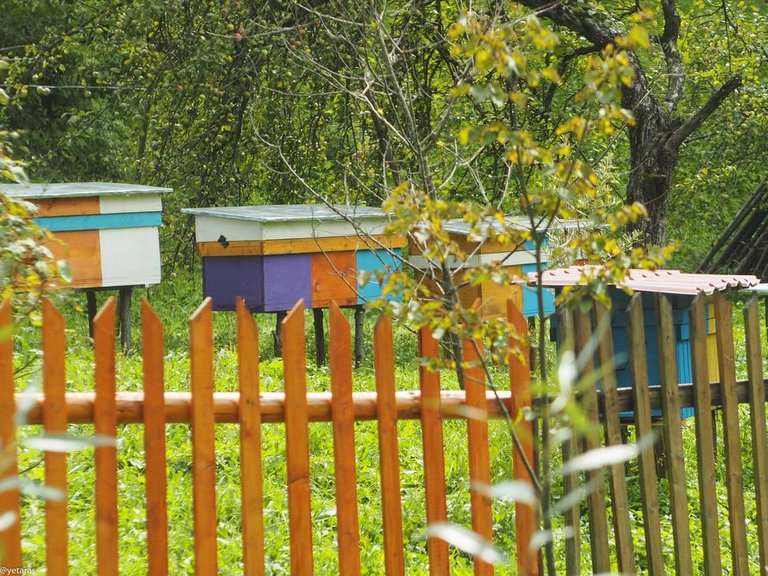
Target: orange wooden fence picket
251,498
10,500
55,422
203,441
345,471
154,441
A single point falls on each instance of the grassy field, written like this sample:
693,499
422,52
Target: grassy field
175,300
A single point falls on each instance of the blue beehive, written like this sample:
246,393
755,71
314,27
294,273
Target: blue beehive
680,304
680,289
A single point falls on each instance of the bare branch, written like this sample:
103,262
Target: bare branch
675,140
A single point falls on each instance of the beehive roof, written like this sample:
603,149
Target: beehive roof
663,281
291,212
77,190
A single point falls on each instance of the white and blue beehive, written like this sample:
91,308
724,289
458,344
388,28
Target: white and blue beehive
106,232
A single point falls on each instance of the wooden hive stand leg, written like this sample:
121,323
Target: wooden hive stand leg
90,299
124,305
359,356
317,313
277,334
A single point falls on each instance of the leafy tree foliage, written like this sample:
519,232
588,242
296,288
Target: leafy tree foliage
27,267
225,103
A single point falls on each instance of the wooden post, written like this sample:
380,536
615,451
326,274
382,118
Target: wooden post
598,520
731,437
277,334
389,455
124,306
526,521
434,452
154,441
317,313
757,418
55,422
90,299
672,435
571,481
345,471
479,454
638,365
251,483
359,356
613,435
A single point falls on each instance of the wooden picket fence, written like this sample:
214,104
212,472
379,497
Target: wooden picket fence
204,408
612,547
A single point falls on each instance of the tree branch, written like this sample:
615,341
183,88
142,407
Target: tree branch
601,31
598,32
675,140
675,75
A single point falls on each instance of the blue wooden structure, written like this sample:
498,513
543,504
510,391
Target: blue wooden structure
680,289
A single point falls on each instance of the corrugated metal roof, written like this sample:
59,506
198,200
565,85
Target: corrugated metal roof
77,190
291,212
459,226
663,281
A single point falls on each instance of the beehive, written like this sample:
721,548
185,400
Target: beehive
493,296
680,288
274,255
106,232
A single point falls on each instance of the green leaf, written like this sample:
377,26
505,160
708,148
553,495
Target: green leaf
7,520
66,442
515,490
607,456
467,541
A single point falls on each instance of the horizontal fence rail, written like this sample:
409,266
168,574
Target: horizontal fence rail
176,406
676,495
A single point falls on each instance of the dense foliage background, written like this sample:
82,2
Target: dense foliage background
237,102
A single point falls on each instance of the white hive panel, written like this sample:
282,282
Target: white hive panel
135,203
320,229
130,256
210,228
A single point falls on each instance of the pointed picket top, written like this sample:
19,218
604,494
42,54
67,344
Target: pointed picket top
104,316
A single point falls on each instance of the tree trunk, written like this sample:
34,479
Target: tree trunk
652,168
